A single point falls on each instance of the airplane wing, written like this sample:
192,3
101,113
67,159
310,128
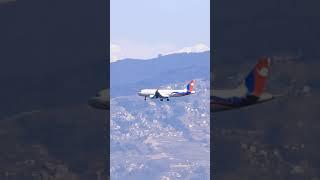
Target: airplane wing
157,94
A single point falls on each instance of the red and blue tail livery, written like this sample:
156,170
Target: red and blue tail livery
190,86
249,93
257,78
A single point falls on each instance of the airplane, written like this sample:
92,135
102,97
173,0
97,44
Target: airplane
101,100
167,93
250,92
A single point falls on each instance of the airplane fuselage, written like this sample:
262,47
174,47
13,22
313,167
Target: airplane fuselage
223,100
166,93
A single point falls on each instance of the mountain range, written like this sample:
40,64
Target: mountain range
160,140
129,75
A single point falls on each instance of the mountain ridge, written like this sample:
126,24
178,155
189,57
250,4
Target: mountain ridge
128,76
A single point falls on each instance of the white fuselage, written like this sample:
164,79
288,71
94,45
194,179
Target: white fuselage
165,93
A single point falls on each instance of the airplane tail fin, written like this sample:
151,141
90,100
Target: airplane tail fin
255,81
190,86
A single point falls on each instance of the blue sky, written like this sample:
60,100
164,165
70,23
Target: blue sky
146,28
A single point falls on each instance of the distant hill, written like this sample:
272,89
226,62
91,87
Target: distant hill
154,139
129,75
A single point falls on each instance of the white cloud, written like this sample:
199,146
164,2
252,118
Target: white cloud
115,48
114,58
115,51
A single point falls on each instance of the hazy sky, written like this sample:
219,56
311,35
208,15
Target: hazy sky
145,28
